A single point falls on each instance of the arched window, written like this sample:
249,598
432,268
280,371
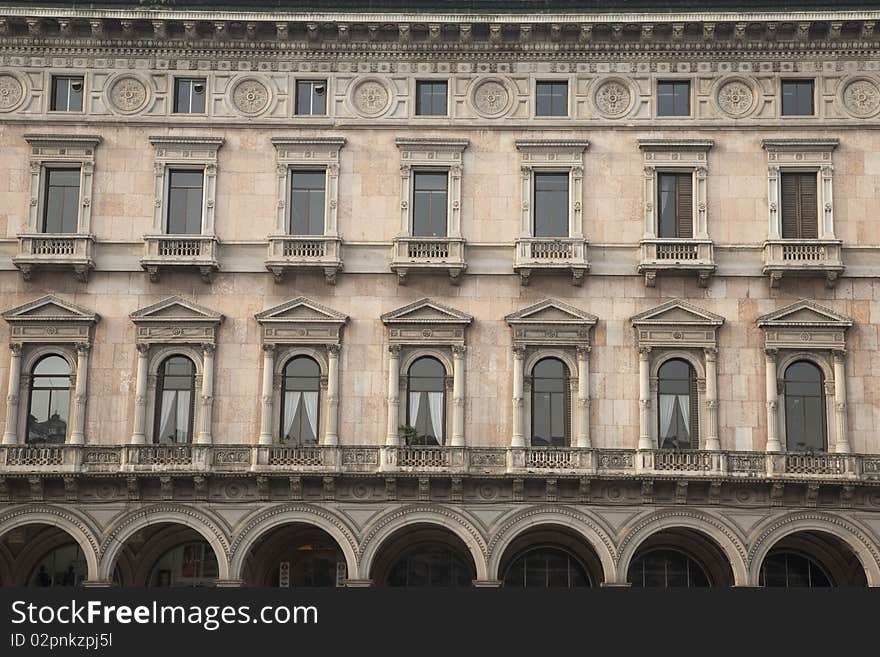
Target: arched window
300,393
430,565
666,569
547,567
551,416
677,408
426,401
175,398
788,569
49,401
805,425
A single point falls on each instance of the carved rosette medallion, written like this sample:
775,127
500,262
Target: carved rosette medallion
250,96
861,98
11,92
128,94
613,98
491,98
735,98
370,98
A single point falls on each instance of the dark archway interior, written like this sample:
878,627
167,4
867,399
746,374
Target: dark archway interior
550,557
295,555
40,555
423,556
167,555
680,557
811,559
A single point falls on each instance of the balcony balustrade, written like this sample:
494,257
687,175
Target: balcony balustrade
676,255
289,253
551,254
51,251
803,258
174,251
427,254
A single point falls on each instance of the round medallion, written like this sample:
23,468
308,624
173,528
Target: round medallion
487,491
11,92
613,98
370,98
861,98
743,496
128,94
491,98
735,98
233,491
250,96
105,491
360,491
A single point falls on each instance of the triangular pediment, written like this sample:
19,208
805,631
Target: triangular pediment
49,309
551,311
805,313
679,313
302,310
176,309
425,311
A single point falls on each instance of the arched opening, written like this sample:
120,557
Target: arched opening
426,402
813,560
41,556
679,558
295,556
300,401
49,401
806,426
550,557
551,399
677,405
423,556
168,555
175,400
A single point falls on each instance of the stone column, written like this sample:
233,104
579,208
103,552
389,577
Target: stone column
392,439
773,444
518,438
204,437
331,433
80,395
267,397
583,399
458,353
842,444
10,435
138,437
645,441
712,441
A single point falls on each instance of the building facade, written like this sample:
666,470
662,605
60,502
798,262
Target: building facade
535,298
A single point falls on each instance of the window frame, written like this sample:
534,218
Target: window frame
415,173
35,359
176,91
789,363
52,92
286,359
813,97
166,222
568,382
690,99
312,82
157,405
693,403
291,172
568,97
416,98
44,196
447,381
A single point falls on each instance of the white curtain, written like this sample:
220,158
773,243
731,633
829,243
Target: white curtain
667,405
684,407
311,403
414,398
167,406
435,403
291,401
183,414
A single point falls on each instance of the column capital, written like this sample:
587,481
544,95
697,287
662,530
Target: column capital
394,350
519,352
208,348
268,348
142,348
711,353
15,348
334,349
459,350
839,355
83,348
644,352
583,351
771,353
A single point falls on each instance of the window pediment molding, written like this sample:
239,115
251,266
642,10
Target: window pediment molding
186,147
176,320
802,152
430,151
305,150
676,152
677,323
301,321
551,322
64,146
804,325
550,151
50,319
426,322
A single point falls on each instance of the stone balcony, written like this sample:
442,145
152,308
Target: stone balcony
676,255
551,254
181,251
55,251
428,254
789,257
289,253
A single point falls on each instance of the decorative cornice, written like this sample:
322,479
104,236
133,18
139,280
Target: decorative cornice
50,139
825,144
676,144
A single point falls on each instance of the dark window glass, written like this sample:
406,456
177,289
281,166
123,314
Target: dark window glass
61,204
674,98
63,566
550,403
547,567
175,395
189,95
551,98
426,401
786,569
431,566
805,427
677,413
300,401
430,98
797,98
675,205
185,202
551,205
800,205
67,94
49,403
192,564
307,202
311,97
667,569
429,204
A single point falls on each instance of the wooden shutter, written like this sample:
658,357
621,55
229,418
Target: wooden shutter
694,410
684,206
809,214
800,213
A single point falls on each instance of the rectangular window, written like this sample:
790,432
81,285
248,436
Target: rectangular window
189,95
551,205
800,206
675,205
307,202
185,197
551,98
429,204
797,98
61,202
430,98
674,98
67,93
311,97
